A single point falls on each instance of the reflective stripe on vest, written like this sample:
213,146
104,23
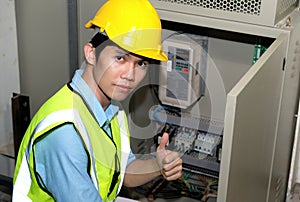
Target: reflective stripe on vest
23,176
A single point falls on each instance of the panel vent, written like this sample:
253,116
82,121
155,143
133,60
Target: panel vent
285,5
251,7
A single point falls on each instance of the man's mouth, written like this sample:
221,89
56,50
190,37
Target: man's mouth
123,88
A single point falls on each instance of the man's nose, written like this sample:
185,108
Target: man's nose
128,72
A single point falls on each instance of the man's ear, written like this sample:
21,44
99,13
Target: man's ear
90,54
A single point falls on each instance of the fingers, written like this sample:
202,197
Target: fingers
173,170
173,164
173,176
169,162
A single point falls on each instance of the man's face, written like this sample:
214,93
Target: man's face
118,72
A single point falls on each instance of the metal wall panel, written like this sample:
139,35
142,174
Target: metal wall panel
42,28
9,81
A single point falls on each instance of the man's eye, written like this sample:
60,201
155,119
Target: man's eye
143,63
120,58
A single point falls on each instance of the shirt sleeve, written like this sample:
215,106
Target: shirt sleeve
61,165
131,157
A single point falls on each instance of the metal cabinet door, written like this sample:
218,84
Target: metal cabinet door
250,129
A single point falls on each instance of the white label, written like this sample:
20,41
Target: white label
169,66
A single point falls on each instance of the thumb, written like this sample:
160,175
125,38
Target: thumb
163,141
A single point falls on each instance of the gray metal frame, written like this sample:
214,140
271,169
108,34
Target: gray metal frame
73,35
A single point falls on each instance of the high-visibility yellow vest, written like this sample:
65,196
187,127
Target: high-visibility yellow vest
107,155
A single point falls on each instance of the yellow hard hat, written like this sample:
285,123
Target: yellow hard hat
134,25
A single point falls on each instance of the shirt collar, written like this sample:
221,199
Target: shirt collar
89,97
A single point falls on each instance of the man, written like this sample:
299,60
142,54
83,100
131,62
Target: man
77,145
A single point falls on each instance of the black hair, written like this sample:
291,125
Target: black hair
99,42
98,39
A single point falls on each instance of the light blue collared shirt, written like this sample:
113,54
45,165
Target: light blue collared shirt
103,117
61,160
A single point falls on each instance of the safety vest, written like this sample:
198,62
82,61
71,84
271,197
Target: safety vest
107,155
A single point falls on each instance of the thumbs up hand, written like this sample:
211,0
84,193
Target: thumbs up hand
169,162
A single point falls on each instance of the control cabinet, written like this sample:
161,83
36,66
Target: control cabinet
255,98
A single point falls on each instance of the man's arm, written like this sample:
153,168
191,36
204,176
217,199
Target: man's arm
167,163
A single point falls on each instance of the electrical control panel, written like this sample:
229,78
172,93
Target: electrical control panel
197,139
181,78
